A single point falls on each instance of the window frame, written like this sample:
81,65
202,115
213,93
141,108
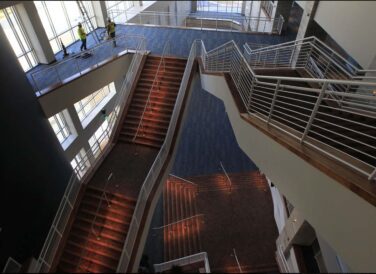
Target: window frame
56,36
26,53
62,125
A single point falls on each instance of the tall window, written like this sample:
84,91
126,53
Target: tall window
60,20
101,137
220,6
80,163
87,105
116,10
60,127
17,37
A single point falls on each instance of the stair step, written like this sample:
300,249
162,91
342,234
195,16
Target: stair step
102,243
145,136
100,222
155,106
74,257
156,96
162,92
84,228
83,247
148,118
146,124
159,102
116,203
140,141
121,219
111,195
114,208
151,71
133,130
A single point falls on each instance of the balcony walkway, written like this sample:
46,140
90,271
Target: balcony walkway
181,41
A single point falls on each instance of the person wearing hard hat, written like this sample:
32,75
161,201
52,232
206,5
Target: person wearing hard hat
82,35
111,30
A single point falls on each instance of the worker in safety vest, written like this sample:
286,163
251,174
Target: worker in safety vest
82,35
111,30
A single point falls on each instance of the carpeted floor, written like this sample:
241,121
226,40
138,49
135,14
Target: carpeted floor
156,37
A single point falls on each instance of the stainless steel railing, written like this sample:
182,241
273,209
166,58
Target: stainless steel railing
63,70
201,21
156,82
307,111
69,199
311,54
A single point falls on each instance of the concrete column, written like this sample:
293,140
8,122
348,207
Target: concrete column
283,8
193,6
308,15
100,13
244,3
35,172
35,31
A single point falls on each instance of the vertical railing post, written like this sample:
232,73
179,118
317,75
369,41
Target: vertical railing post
250,94
372,176
273,101
292,54
314,111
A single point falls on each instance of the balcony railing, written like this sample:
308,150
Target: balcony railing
76,65
202,21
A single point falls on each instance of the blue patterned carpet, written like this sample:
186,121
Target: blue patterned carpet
156,37
208,139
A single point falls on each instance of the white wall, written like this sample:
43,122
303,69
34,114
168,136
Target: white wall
346,221
66,96
352,25
70,93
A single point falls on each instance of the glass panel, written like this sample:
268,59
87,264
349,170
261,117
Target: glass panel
55,45
24,63
73,13
43,16
57,15
66,38
10,34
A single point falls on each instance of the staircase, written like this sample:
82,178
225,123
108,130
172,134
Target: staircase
181,219
151,127
97,249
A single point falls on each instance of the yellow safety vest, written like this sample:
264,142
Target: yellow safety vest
111,28
81,33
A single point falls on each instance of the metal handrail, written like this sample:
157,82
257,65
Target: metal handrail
245,22
251,87
321,46
166,50
66,206
73,58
